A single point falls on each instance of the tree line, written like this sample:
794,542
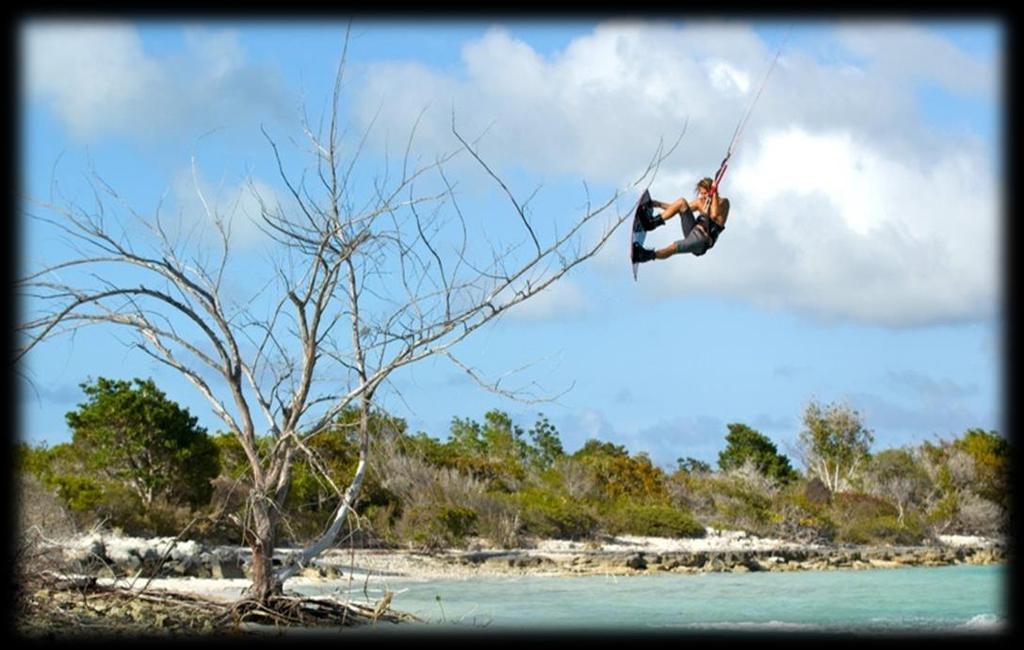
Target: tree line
139,463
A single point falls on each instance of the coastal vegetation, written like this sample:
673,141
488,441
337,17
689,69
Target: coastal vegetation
138,463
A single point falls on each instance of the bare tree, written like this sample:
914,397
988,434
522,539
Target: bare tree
834,443
357,290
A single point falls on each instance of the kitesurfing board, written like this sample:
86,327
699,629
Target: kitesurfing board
638,232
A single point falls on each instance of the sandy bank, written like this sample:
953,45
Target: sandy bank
367,572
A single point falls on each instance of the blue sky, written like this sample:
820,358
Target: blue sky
861,262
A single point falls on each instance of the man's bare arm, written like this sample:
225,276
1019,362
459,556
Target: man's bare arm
719,209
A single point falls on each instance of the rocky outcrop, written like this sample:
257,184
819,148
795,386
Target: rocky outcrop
164,558
786,559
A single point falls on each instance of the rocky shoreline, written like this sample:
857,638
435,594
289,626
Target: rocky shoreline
106,556
115,585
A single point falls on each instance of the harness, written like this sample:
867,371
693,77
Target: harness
710,228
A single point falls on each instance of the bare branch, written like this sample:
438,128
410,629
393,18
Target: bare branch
351,296
498,180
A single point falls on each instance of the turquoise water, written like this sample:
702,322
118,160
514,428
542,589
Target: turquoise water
956,598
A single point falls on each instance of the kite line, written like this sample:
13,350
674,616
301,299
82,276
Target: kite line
720,174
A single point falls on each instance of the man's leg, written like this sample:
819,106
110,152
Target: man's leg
669,210
694,241
687,221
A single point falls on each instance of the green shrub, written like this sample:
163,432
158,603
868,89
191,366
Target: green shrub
849,506
82,494
164,519
866,519
129,432
802,518
882,529
547,514
653,520
456,520
499,519
380,520
435,526
944,510
732,503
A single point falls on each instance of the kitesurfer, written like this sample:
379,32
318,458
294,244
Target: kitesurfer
702,219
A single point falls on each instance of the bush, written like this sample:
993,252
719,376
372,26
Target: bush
547,514
81,494
881,529
226,511
748,446
41,519
734,503
499,520
978,515
854,505
817,493
865,519
803,514
434,526
94,502
653,521
991,455
167,519
379,524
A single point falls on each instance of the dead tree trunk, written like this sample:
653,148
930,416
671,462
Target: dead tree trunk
262,543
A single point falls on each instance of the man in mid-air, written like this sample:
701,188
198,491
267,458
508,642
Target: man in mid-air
702,220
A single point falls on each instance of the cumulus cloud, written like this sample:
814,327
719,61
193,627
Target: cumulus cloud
846,203
597,108
828,224
99,79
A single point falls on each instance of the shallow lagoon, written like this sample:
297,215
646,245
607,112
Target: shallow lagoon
963,598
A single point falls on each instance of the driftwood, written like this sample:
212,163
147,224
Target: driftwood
61,605
313,611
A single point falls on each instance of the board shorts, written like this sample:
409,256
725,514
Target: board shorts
694,240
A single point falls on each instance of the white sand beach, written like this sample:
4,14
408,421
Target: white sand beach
374,570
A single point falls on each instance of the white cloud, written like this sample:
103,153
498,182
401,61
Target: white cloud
201,203
830,225
910,52
85,70
727,79
846,203
597,109
99,79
